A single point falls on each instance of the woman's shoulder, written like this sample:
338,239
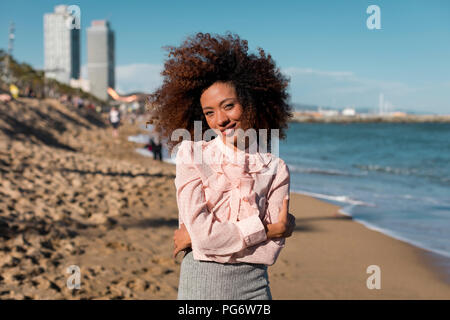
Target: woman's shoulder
279,166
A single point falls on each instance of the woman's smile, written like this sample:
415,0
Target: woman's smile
229,131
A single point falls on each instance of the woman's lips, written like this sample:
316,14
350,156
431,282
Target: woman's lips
230,131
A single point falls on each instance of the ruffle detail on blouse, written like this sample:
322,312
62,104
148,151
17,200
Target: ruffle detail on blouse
216,182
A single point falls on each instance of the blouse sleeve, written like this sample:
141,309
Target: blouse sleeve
279,190
207,234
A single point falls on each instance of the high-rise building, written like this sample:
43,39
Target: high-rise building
100,43
61,46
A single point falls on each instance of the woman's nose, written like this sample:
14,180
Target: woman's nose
222,118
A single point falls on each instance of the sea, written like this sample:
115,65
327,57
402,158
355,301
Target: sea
391,177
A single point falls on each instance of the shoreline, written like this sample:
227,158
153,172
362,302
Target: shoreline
373,227
437,257
407,272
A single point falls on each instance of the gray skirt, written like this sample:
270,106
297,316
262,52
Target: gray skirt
207,280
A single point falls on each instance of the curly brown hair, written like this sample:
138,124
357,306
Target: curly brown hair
203,60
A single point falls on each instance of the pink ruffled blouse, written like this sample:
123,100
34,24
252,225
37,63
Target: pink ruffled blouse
223,197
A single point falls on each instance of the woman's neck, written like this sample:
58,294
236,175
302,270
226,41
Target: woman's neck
234,146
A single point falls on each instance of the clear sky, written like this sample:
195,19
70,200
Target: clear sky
325,47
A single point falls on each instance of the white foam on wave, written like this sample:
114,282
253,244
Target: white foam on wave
343,199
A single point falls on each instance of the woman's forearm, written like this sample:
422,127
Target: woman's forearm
275,230
281,229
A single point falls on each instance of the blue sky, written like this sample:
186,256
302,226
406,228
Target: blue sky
325,47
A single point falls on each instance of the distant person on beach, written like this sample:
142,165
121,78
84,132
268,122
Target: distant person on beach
80,102
114,119
29,93
14,91
156,147
233,203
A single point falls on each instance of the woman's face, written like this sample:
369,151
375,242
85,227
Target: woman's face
222,110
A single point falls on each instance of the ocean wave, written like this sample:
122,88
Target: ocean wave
404,172
331,172
374,167
341,199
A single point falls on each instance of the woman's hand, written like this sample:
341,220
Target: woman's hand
181,240
285,225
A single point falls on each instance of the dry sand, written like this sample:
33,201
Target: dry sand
72,195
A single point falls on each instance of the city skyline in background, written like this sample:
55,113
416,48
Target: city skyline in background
326,49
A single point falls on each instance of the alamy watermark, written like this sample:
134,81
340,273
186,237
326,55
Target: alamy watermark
74,281
374,281
374,20
74,21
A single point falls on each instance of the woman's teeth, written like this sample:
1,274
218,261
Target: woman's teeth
229,132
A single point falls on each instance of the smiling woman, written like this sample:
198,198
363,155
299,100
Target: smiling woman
233,205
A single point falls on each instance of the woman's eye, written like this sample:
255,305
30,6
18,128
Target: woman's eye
228,105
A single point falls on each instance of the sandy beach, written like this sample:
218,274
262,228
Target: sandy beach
70,194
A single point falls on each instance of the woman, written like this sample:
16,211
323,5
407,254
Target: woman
233,203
